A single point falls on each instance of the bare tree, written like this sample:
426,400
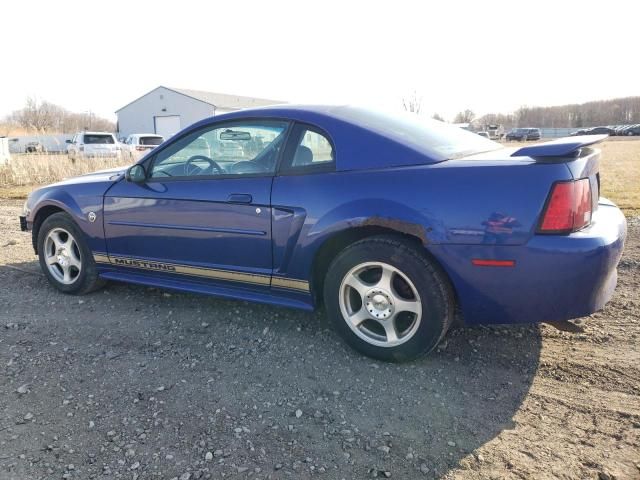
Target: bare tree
437,116
466,116
37,116
412,103
45,117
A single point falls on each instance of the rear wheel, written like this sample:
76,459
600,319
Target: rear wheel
387,299
65,257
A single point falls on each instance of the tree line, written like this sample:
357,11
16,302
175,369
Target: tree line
42,117
618,111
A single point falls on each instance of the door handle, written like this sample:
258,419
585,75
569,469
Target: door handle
239,198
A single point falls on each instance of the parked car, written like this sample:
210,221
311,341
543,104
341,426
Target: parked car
34,147
523,134
139,144
631,130
393,223
599,131
484,134
494,131
93,144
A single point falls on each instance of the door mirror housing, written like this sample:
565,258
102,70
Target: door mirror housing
136,174
68,141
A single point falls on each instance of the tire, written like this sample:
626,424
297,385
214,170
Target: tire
68,265
399,320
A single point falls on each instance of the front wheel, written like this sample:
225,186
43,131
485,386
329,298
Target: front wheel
387,299
65,257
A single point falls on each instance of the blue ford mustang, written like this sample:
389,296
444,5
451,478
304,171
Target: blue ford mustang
392,223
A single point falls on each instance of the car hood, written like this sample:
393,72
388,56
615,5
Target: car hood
89,186
109,175
95,183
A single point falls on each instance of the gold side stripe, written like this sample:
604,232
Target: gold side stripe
183,269
100,258
289,283
252,278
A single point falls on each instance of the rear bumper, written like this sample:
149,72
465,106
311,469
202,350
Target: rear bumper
99,155
103,154
554,278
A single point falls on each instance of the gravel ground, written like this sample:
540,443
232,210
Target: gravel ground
137,383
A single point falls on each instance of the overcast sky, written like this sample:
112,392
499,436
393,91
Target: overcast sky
484,55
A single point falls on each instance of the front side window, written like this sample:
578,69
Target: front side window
239,148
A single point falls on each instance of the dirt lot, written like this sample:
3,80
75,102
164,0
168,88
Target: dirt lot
137,383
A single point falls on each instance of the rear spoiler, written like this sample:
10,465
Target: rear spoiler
562,147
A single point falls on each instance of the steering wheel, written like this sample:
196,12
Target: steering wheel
212,164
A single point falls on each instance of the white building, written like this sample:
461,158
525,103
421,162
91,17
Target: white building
4,150
166,111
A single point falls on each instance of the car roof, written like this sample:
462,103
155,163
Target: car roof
96,133
362,137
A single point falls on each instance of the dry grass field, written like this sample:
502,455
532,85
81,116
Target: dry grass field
619,172
24,172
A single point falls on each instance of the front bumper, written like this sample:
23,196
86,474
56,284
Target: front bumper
555,277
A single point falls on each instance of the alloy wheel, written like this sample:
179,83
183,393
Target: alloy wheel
62,256
380,304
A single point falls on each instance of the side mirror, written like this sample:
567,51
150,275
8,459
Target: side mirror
67,141
136,174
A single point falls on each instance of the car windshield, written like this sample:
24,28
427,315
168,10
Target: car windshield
150,140
93,138
438,140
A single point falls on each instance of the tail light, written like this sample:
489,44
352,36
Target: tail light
568,207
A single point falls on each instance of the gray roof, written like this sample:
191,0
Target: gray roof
226,101
223,101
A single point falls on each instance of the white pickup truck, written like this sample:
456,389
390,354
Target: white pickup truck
93,144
